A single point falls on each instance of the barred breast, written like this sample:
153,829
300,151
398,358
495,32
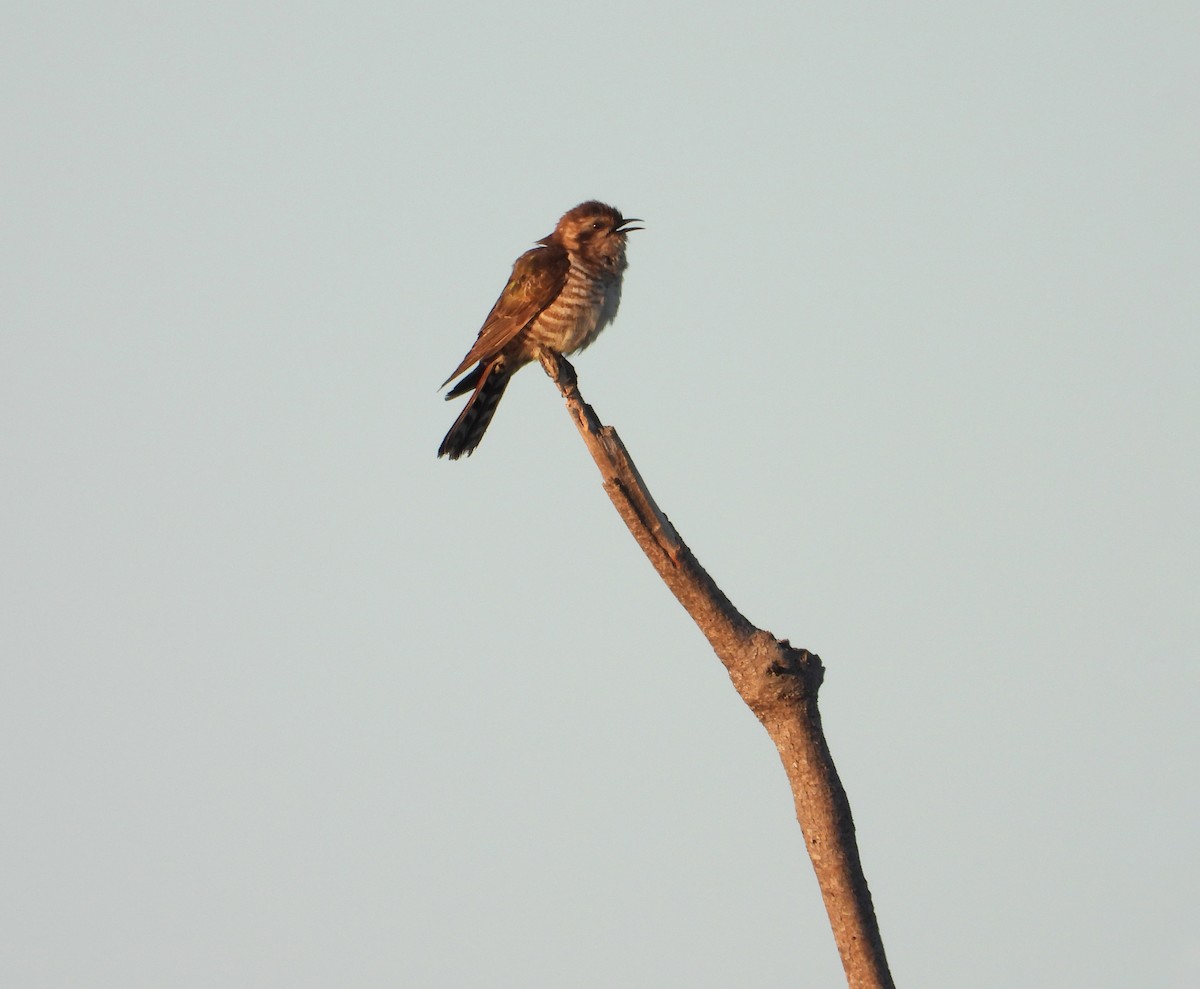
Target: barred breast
587,303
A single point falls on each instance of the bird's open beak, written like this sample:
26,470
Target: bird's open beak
623,227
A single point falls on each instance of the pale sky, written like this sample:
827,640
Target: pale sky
907,351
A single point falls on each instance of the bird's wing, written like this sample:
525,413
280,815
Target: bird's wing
537,277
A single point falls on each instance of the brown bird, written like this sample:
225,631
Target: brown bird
561,294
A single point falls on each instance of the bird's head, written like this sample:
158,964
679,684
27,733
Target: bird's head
594,231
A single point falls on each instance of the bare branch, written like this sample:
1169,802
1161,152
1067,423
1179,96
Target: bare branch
778,681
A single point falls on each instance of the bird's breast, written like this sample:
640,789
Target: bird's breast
587,303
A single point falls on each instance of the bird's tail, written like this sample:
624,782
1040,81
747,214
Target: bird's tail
488,382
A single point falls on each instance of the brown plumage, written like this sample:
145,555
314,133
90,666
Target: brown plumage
560,295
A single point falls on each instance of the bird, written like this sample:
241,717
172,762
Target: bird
560,295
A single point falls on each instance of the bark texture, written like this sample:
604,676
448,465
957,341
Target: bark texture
777,680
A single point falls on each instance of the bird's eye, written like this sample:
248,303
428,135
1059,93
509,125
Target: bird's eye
596,224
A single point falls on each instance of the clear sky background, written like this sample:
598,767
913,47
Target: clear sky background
908,352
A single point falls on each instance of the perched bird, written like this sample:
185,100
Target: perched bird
561,294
